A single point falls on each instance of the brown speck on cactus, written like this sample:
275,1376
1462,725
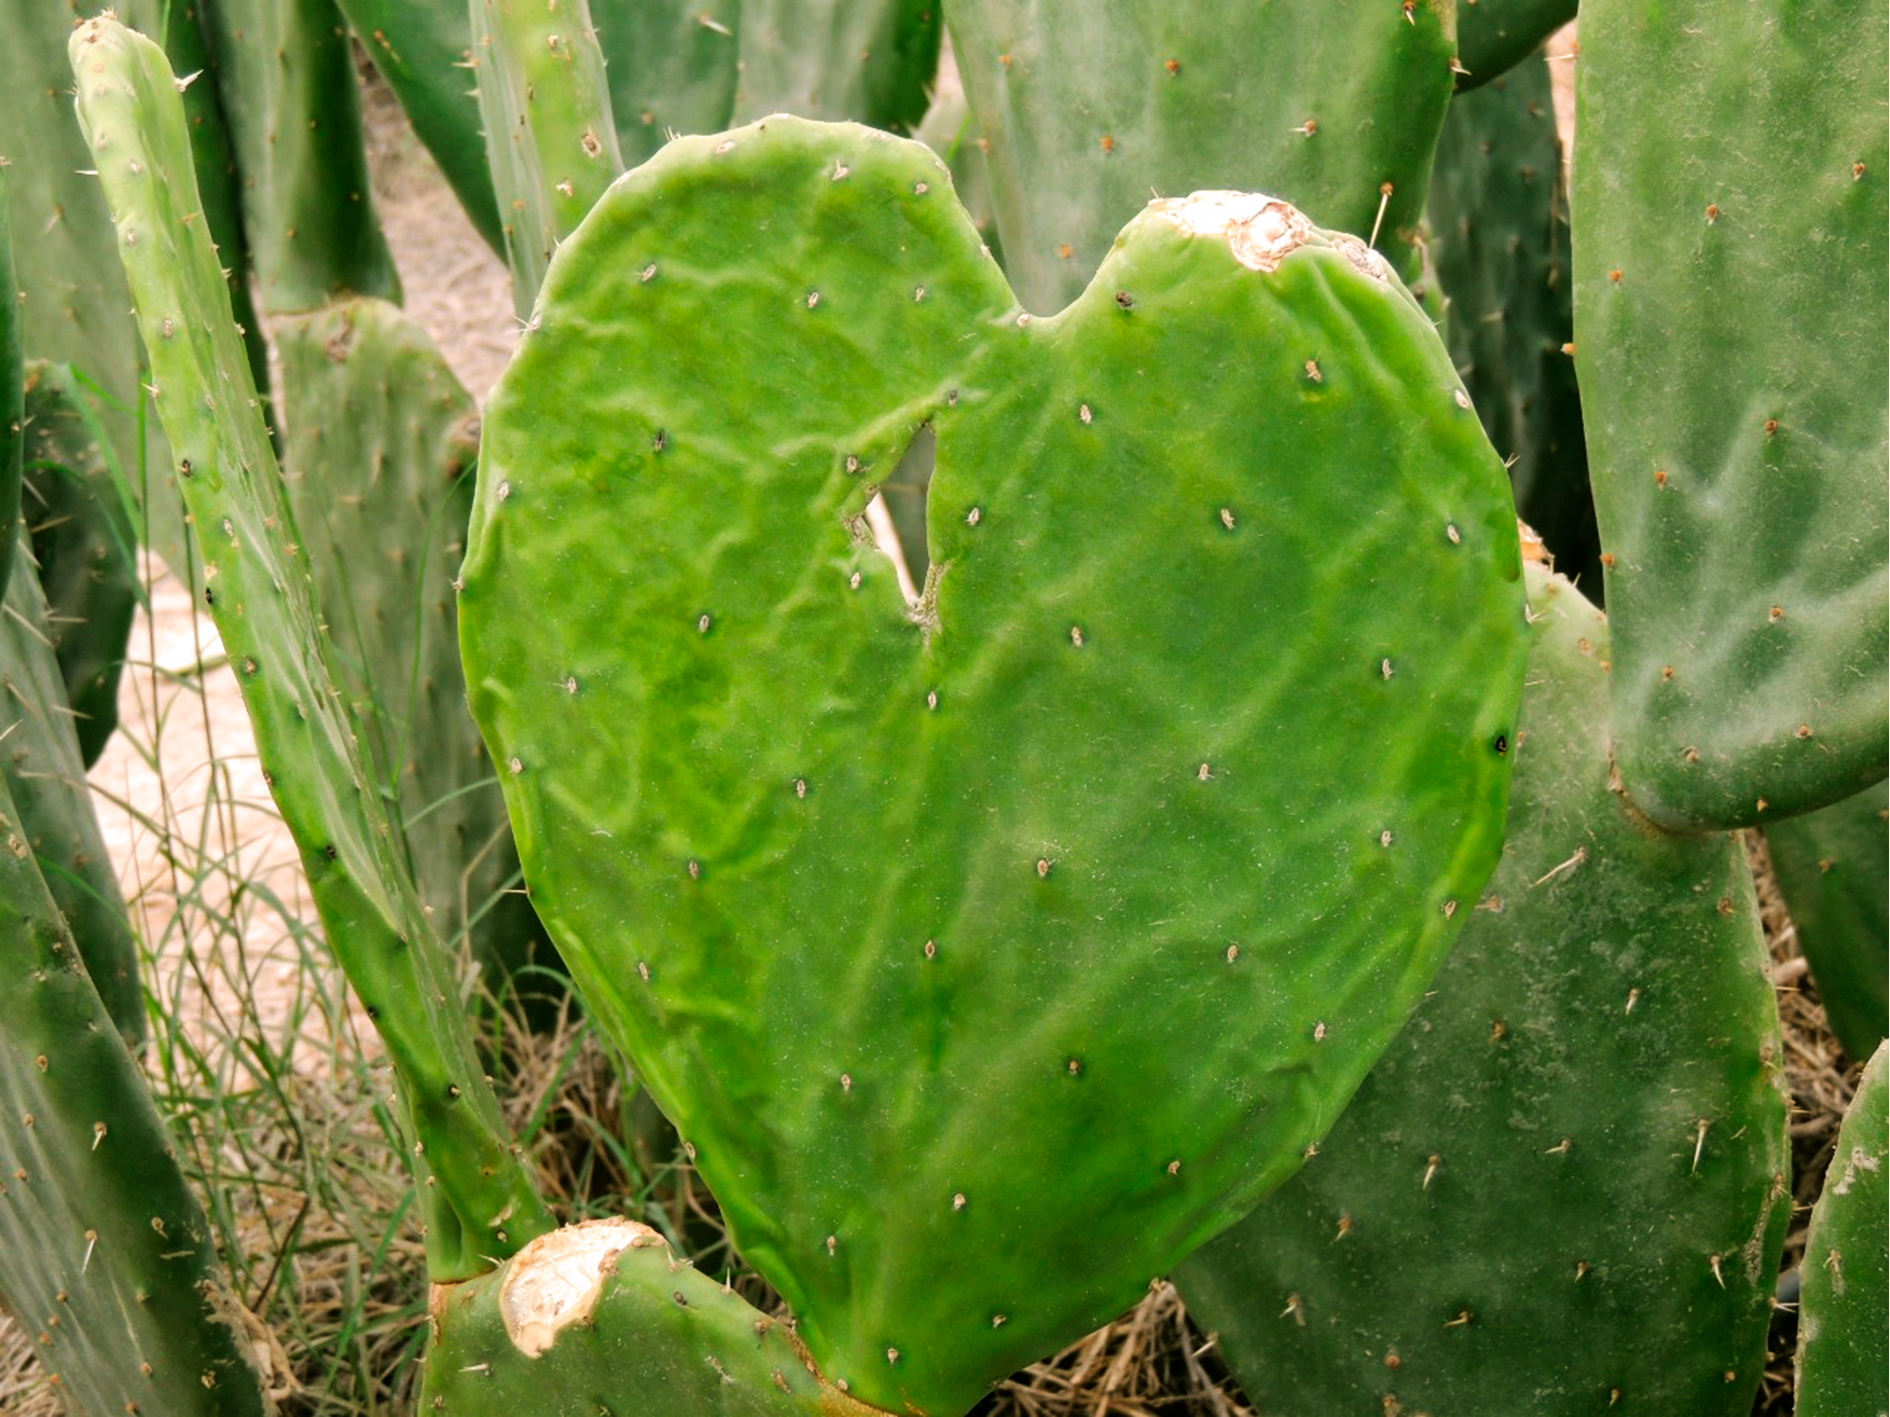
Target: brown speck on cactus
1803,732
846,1082
833,1243
1312,371
695,869
1431,1163
1308,128
1666,673
659,440
1233,953
1084,412
999,1320
1660,477
1065,250
1857,172
958,1200
1174,1167
1712,213
1771,426
1450,909
1227,518
1173,66
1614,276
1043,867
931,949
1345,1227
1125,300
1076,636
1074,1067
1108,142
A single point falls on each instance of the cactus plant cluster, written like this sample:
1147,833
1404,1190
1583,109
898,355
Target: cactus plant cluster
1033,729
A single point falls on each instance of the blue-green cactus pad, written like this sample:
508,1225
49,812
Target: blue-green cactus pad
992,952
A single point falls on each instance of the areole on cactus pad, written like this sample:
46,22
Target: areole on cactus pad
990,950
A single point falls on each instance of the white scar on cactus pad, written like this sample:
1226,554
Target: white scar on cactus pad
556,1280
1261,231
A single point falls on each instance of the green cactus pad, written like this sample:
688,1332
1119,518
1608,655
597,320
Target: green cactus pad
1493,36
991,952
551,143
600,1317
1842,1351
1082,120
1833,869
285,71
378,462
478,1201
105,1256
52,801
84,540
422,48
12,396
1499,218
1732,266
1563,1189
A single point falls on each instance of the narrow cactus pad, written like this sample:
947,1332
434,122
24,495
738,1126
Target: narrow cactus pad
52,801
378,463
12,395
1495,35
1842,1352
990,952
1833,869
600,1317
1333,107
1732,266
105,1256
1562,1190
285,72
85,540
478,1202
1499,222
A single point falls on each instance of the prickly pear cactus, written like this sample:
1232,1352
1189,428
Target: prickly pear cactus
105,1255
1842,1353
52,801
422,48
12,396
1021,936
286,74
84,539
378,464
601,1316
1499,222
478,1202
551,143
1732,386
1562,1190
1333,107
1495,35
1833,869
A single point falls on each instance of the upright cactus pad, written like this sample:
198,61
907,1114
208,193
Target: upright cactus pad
1842,1352
1333,107
84,540
52,801
1495,35
1562,1190
477,1199
1732,266
993,951
286,73
1499,222
379,452
1833,869
105,1255
601,1317
12,395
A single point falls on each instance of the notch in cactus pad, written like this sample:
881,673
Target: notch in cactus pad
990,949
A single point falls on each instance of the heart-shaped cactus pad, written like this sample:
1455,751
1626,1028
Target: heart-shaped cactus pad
994,948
